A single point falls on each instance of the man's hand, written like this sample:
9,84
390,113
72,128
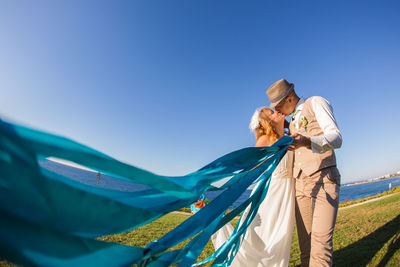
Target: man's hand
299,141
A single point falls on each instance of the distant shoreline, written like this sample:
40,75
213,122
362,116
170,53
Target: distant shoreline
371,180
69,164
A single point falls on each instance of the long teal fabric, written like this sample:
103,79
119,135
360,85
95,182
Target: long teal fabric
48,219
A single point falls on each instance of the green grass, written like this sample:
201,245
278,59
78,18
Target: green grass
155,230
366,235
369,235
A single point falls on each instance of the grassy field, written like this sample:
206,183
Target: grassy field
366,235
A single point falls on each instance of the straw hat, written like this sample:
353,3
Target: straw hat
278,91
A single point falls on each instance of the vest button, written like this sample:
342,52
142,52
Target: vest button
299,152
299,163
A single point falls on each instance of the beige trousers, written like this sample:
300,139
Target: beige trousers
317,200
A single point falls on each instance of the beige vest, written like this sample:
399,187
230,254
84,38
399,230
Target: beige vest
304,158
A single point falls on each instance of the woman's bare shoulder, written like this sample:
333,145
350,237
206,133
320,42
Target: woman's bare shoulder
263,140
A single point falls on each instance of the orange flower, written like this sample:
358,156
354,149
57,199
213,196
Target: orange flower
199,204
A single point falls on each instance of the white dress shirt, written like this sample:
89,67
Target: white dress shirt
331,139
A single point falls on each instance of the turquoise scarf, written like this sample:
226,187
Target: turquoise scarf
48,219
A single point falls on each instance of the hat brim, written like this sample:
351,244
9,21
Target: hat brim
275,103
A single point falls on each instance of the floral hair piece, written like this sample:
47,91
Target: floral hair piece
255,120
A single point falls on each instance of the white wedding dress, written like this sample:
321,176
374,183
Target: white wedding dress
269,236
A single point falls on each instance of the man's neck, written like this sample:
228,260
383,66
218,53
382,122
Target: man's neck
296,100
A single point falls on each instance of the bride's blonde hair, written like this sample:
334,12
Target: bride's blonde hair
265,127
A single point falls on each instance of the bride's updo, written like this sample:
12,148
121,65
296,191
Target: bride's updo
260,124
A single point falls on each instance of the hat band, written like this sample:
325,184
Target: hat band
280,97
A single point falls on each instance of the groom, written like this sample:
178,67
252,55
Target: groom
316,135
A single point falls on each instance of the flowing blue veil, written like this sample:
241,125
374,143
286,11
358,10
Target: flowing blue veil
51,220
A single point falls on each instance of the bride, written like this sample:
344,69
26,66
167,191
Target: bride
268,238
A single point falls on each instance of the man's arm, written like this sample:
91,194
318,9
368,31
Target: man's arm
332,138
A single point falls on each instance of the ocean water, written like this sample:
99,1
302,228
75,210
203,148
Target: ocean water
357,191
347,192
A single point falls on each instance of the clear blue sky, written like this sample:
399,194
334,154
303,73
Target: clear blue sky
171,85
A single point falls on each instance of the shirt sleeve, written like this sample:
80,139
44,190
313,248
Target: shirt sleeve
332,138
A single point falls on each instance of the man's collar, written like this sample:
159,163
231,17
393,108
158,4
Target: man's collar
298,107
